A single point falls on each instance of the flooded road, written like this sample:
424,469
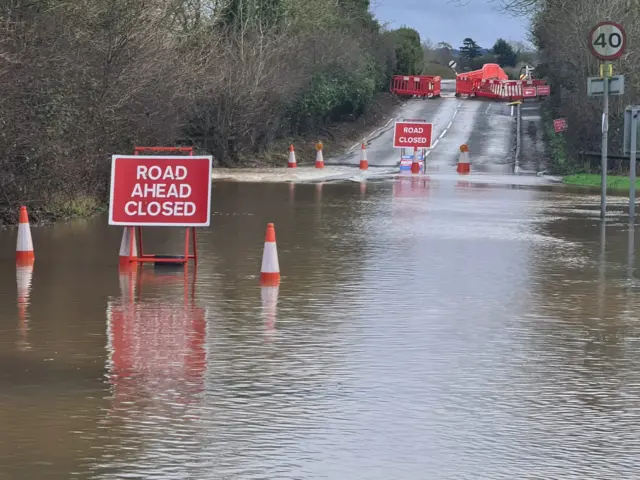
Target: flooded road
423,329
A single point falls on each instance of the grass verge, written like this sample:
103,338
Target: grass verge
614,182
435,69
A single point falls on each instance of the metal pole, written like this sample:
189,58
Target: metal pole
516,168
605,132
632,167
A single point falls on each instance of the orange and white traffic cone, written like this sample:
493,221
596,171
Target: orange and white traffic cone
270,270
464,167
364,163
128,247
415,165
319,158
292,158
24,244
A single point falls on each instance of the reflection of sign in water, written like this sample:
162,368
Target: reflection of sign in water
411,187
155,347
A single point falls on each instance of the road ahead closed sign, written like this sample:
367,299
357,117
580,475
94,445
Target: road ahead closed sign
412,134
172,191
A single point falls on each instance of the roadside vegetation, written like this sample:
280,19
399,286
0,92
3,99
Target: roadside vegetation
559,31
614,182
239,79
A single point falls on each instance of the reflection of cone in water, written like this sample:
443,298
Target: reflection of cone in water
270,270
24,244
319,190
292,158
127,277
464,184
364,163
415,164
363,188
24,276
125,246
464,166
269,305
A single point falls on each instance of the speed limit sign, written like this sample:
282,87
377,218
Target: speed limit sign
607,40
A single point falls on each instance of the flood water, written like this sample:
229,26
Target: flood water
422,330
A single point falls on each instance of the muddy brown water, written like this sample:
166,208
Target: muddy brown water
422,329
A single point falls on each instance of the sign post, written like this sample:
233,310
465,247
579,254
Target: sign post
607,41
630,146
160,191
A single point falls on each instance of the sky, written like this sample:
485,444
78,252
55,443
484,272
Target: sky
444,21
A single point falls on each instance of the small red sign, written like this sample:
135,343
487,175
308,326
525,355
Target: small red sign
528,92
412,134
543,90
560,125
160,191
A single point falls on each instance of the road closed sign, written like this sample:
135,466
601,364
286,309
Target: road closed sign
412,134
160,191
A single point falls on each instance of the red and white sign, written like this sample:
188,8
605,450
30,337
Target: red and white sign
560,125
412,134
529,92
160,191
543,90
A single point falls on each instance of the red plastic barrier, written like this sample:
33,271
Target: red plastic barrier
416,85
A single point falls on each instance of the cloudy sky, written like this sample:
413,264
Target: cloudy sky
444,21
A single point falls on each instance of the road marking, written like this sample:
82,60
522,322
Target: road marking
512,110
435,143
449,126
486,112
443,133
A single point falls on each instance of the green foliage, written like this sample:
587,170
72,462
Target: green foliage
505,56
560,163
332,94
469,49
409,54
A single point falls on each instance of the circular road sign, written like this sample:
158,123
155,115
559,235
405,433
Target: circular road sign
607,40
453,64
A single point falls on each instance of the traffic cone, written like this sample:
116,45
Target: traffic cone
292,157
126,252
415,165
24,245
270,270
464,167
364,164
319,158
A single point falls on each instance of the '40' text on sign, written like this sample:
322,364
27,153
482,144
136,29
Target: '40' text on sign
160,190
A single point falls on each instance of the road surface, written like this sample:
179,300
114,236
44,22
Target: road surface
487,127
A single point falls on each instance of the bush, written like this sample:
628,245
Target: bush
85,79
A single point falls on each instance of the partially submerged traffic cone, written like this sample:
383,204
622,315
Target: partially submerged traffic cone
127,250
415,165
24,244
319,158
364,163
464,166
292,157
270,270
